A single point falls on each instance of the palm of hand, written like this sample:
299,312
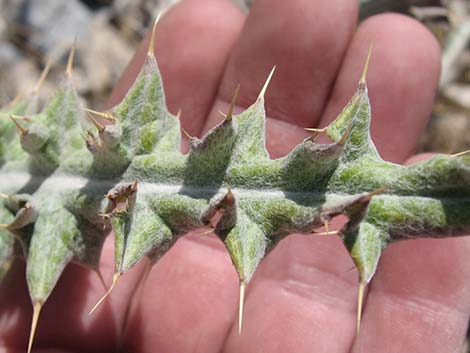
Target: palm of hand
303,296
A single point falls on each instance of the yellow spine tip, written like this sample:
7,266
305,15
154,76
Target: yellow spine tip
95,122
332,232
105,115
229,115
266,84
43,77
108,292
365,69
314,129
69,70
463,153
20,128
91,111
186,134
360,299
21,118
240,307
37,306
151,48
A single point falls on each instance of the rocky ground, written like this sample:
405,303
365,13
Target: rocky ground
33,31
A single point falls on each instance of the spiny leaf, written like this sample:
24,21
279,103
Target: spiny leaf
62,166
143,113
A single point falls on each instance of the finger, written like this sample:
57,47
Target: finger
306,41
64,321
302,296
419,298
193,42
189,300
402,81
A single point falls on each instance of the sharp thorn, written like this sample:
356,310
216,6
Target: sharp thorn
23,118
240,307
362,81
69,70
186,133
108,292
20,128
37,306
42,79
333,232
459,154
105,115
360,299
4,225
151,48
95,122
313,129
266,84
101,114
222,113
111,118
229,115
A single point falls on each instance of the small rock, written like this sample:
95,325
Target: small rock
58,26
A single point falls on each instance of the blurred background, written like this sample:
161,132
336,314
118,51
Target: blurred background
109,31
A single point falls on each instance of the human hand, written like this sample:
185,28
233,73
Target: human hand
303,296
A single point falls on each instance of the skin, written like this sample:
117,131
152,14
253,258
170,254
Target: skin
303,296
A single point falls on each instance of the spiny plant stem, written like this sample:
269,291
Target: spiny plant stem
67,180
